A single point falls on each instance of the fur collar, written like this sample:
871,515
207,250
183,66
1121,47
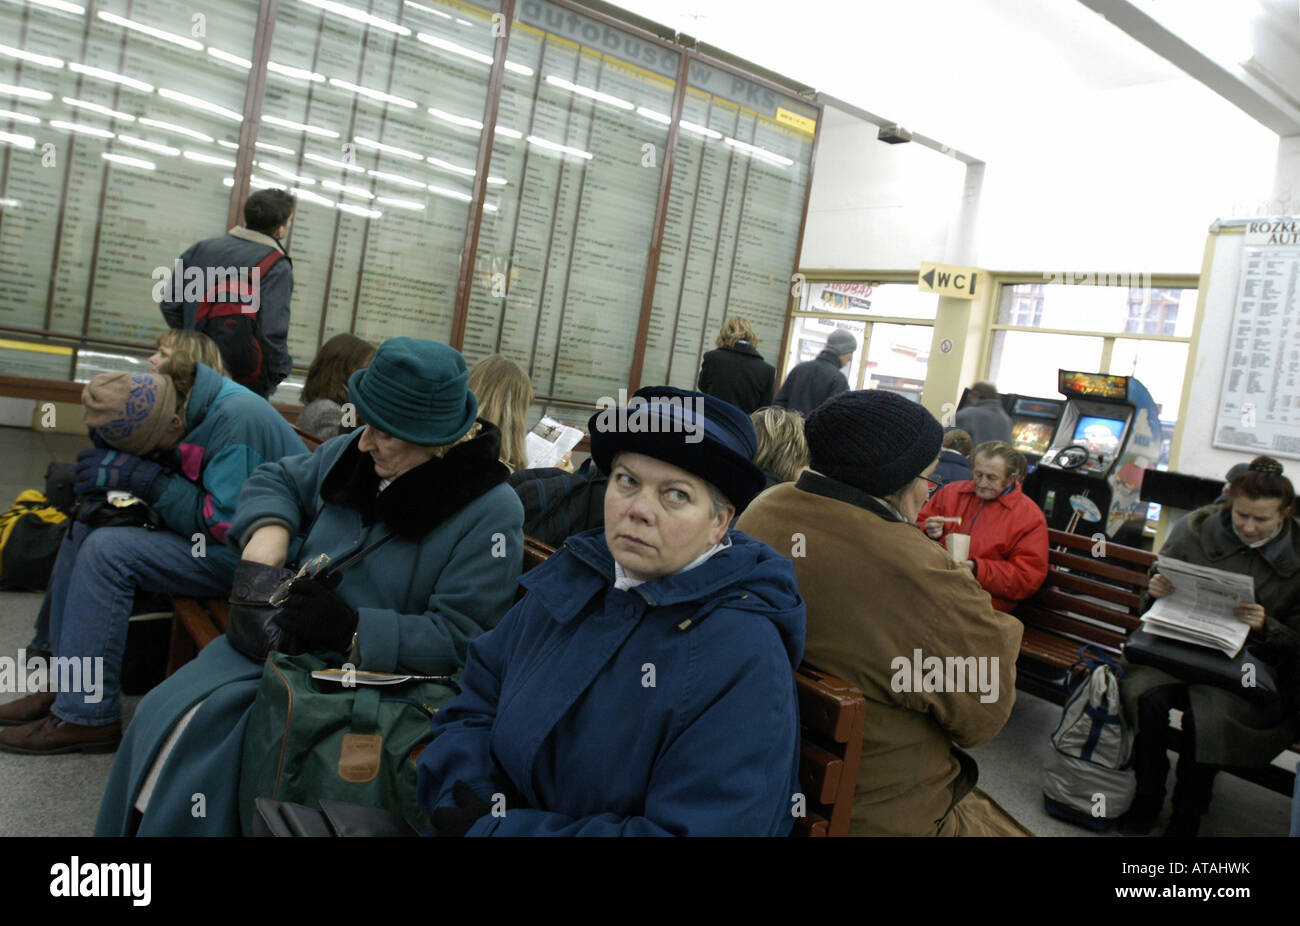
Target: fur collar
422,498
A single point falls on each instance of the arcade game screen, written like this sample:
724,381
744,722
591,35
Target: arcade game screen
1100,435
1032,436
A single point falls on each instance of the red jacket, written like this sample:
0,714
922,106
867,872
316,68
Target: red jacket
1008,538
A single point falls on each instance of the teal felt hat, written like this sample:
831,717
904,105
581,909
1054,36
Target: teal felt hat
416,390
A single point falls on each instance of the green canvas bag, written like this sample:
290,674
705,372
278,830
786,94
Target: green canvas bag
309,739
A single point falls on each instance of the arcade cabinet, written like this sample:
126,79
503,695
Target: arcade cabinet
1090,476
1033,421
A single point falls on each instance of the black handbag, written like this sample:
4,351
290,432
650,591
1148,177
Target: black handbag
97,511
257,596
250,627
335,818
1199,665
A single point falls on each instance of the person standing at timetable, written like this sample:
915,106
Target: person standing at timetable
814,381
236,289
736,372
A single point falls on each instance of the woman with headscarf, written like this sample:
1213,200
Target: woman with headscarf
889,612
645,684
1253,533
424,473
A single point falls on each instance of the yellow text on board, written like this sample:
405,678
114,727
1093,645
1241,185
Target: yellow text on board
947,280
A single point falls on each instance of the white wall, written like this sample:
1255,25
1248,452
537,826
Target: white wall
877,206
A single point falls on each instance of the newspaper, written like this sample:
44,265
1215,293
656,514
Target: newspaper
548,442
1199,610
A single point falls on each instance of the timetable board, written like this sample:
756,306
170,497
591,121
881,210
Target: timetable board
1259,400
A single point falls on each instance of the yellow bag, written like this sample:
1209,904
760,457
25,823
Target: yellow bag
36,529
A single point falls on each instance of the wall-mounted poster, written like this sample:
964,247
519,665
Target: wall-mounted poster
1259,401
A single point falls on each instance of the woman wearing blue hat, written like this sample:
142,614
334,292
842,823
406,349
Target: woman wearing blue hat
645,684
424,479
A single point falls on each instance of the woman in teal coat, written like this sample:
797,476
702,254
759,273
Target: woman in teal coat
424,470
645,684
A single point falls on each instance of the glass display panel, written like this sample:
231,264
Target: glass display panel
744,153
372,118
574,181
119,125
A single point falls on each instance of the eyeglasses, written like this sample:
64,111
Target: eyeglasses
934,486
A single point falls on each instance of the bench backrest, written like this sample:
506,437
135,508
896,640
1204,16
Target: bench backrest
831,714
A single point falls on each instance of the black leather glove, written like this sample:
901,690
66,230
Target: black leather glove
316,618
456,821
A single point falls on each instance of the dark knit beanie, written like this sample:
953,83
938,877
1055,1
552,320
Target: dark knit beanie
873,440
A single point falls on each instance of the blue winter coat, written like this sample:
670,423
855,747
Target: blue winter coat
668,709
953,467
229,433
419,598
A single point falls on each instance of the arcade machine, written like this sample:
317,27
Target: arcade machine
1090,476
1033,421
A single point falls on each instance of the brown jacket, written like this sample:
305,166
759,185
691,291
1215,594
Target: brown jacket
877,590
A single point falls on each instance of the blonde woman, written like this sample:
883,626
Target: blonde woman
504,394
782,449
736,371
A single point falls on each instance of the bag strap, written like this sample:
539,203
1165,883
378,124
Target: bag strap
357,556
365,709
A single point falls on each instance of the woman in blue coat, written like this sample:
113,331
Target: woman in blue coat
424,470
645,684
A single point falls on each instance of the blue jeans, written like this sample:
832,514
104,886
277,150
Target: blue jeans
91,593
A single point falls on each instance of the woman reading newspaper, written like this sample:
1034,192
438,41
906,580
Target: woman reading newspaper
1253,534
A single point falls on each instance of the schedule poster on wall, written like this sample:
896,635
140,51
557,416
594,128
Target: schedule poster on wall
1259,404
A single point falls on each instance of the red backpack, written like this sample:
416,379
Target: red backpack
224,315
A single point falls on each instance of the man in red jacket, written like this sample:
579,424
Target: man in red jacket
1007,530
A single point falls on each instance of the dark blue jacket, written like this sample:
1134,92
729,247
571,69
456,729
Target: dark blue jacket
811,383
668,709
953,467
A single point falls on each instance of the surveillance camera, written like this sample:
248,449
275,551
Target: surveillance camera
894,134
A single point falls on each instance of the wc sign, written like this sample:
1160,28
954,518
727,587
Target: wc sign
946,280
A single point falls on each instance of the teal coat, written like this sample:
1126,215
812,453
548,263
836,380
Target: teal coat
229,433
450,574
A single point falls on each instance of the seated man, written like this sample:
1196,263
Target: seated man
206,439
645,684
884,604
1007,530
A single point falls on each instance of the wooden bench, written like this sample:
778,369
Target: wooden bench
1094,600
831,715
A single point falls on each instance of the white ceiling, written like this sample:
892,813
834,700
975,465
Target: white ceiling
960,71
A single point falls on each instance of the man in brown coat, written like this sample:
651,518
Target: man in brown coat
889,612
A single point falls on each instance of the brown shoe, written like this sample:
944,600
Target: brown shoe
25,710
51,736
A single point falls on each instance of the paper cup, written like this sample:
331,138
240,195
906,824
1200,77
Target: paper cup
959,547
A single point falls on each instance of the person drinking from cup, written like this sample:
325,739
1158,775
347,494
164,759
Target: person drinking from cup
990,526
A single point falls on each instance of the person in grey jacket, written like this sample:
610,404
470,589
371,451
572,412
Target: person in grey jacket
985,420
814,381
227,262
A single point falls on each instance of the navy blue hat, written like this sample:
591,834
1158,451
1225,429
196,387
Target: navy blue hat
699,433
874,440
416,390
